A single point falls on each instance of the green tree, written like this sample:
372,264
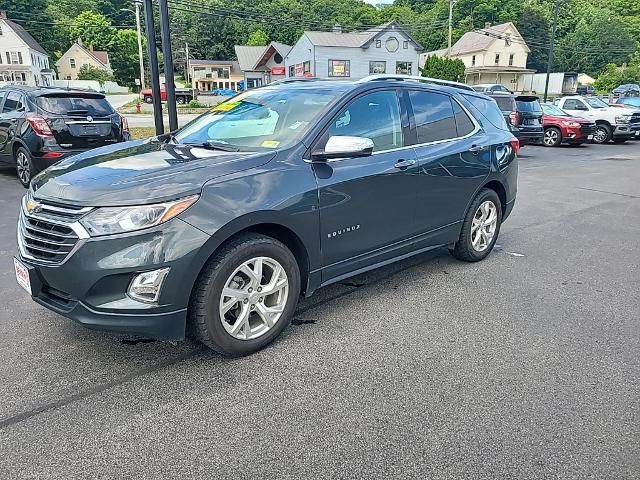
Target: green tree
444,68
612,76
94,29
89,72
258,38
123,53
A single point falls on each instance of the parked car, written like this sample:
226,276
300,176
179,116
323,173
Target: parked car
490,88
627,89
631,102
612,123
561,127
183,95
223,234
40,126
523,114
585,90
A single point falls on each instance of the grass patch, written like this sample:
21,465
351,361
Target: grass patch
142,132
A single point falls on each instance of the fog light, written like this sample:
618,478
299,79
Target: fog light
145,287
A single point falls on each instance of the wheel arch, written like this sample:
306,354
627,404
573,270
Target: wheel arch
603,122
498,187
17,143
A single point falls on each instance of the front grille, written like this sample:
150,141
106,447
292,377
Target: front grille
588,128
49,233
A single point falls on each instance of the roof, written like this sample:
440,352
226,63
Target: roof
248,56
479,40
25,36
235,66
100,55
356,39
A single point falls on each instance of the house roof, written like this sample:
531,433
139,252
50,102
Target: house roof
25,36
356,39
482,39
100,55
251,58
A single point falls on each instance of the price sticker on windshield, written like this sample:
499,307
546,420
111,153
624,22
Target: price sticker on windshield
270,144
225,107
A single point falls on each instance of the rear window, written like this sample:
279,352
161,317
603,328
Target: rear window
488,108
528,105
506,104
75,105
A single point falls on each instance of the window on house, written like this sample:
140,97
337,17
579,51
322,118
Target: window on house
378,43
307,66
0,59
339,68
405,44
377,67
12,58
473,61
68,77
497,60
20,58
0,30
292,71
511,59
72,62
404,68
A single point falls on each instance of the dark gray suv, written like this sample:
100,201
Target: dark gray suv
218,228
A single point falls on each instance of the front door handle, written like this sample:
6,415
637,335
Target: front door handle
477,148
404,164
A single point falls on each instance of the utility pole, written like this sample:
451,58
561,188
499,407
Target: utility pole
153,64
168,65
186,62
553,41
451,2
137,4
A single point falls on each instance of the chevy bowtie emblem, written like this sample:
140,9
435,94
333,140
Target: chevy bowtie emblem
89,118
33,206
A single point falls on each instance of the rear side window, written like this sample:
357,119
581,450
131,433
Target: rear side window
506,104
463,123
13,102
75,105
434,116
488,108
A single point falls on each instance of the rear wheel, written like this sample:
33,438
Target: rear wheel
148,99
181,100
245,296
602,133
552,137
24,166
480,228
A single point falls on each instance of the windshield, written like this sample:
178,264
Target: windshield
76,104
555,111
596,102
635,101
258,119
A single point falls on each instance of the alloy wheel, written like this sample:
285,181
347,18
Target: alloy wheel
600,135
483,226
253,298
550,137
23,168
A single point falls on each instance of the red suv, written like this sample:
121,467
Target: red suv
560,127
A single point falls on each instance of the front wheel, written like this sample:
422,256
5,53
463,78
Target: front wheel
180,100
480,227
24,166
552,137
245,296
602,134
148,99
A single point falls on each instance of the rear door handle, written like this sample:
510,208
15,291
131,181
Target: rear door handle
404,164
477,148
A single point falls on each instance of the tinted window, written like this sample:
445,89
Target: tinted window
488,108
12,102
528,106
2,95
375,116
506,104
463,123
635,101
573,104
79,105
433,114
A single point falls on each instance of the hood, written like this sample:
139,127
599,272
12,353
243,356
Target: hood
139,172
570,118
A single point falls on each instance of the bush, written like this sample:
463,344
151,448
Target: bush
196,104
444,68
88,72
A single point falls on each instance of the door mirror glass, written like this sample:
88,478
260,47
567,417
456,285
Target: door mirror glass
343,146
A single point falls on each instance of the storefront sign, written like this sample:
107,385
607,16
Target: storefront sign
277,70
299,70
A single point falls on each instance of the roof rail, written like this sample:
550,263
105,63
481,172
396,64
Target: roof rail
294,80
415,78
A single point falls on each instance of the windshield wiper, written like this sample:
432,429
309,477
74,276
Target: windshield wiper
213,145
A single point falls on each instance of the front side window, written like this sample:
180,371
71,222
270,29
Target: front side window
434,117
404,68
339,68
263,119
377,67
375,116
573,104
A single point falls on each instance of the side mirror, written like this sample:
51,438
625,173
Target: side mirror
343,146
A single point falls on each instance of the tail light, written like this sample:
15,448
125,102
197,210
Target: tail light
124,124
39,125
514,118
515,144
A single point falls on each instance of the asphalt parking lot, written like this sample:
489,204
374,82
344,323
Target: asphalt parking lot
524,366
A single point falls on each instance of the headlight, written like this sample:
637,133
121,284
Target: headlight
571,124
110,220
622,119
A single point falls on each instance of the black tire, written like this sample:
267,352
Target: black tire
620,140
464,249
552,137
602,134
24,166
205,323
148,99
180,100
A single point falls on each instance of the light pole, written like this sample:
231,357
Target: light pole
137,4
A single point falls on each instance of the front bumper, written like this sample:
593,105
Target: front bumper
626,130
90,285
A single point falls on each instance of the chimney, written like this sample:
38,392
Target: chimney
91,47
337,28
487,24
3,14
79,41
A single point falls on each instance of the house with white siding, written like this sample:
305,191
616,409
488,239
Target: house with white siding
387,48
22,60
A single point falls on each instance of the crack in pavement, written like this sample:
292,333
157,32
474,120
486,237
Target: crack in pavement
610,193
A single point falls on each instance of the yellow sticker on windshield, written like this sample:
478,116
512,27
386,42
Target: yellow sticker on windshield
225,107
270,144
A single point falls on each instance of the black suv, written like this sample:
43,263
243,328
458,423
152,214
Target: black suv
523,113
274,193
40,126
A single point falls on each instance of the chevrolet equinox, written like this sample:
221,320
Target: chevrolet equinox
219,227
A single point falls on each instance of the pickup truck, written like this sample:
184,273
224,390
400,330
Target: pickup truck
612,123
183,95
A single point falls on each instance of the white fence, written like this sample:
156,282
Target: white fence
108,87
